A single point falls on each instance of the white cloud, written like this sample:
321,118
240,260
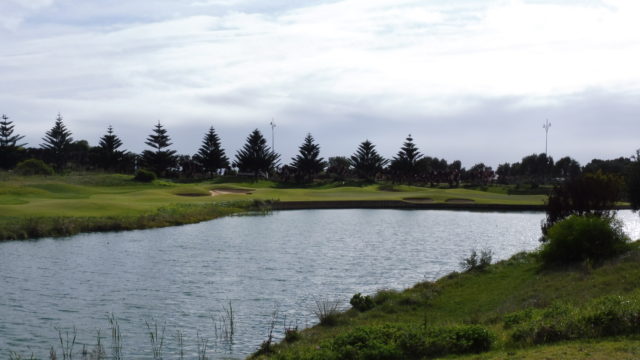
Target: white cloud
402,61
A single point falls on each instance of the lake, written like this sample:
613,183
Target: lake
183,277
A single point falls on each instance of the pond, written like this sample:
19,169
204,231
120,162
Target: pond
183,278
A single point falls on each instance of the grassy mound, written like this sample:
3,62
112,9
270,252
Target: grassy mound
516,309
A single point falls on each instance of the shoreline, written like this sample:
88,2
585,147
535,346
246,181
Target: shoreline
43,227
400,204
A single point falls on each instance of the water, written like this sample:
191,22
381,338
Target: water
181,277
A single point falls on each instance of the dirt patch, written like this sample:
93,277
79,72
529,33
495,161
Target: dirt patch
419,200
460,201
217,192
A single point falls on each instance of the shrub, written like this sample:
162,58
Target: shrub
143,175
477,262
391,342
605,316
584,238
33,167
442,341
362,303
370,342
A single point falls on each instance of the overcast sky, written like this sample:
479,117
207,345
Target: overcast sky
470,80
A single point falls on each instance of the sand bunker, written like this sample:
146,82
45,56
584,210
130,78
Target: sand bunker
217,192
419,200
460,201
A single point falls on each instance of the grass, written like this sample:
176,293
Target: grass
37,206
494,297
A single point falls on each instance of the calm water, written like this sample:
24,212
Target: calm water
182,276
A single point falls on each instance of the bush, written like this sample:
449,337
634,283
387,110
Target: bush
605,316
143,175
584,238
362,303
390,342
33,167
477,262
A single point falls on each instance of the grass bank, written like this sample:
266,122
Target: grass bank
32,207
515,309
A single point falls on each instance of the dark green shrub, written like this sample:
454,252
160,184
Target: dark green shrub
33,167
368,343
143,175
390,343
477,262
362,303
580,238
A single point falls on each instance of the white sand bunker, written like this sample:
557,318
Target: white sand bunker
217,192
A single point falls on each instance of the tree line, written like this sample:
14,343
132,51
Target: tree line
257,159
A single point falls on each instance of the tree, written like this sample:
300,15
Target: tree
339,167
108,154
366,161
211,157
480,174
161,159
57,142
536,167
566,168
9,146
255,156
403,166
504,173
633,182
308,162
589,194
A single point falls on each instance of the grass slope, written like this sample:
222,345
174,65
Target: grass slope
487,298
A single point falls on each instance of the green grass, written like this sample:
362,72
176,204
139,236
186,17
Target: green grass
488,298
94,197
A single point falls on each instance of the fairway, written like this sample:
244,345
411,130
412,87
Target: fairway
118,195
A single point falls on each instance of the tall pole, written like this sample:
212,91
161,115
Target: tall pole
546,127
273,143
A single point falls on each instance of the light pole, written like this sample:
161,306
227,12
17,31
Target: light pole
273,144
546,127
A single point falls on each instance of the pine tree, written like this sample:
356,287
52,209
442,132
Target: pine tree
161,159
108,148
57,142
366,161
308,163
403,166
211,156
255,156
8,144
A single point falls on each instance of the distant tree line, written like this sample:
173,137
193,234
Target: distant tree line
256,159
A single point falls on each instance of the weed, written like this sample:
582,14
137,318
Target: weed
327,311
477,262
157,340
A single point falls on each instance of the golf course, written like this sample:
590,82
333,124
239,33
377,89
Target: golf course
36,206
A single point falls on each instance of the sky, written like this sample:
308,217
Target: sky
468,79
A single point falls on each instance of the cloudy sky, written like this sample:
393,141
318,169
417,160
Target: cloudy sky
470,80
